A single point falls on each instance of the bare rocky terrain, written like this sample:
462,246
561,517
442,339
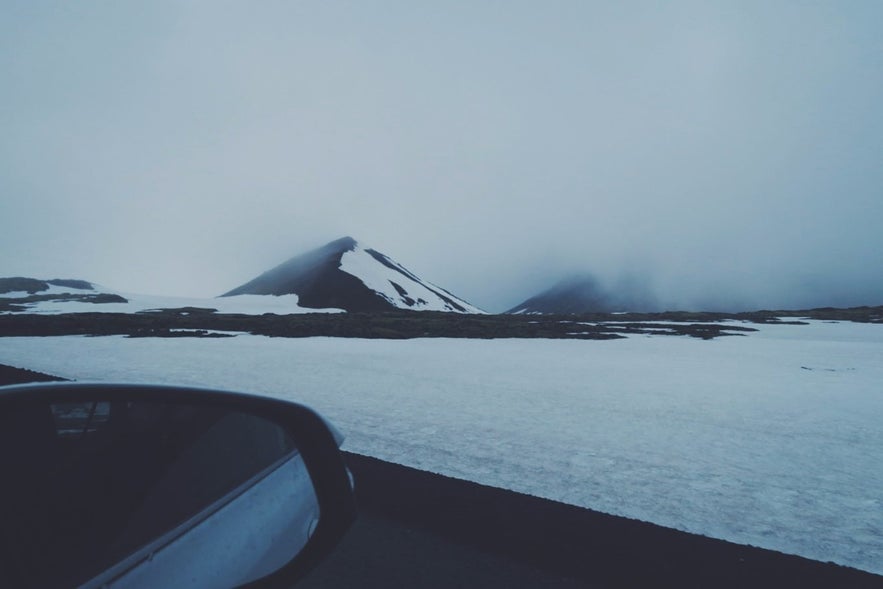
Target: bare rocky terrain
207,322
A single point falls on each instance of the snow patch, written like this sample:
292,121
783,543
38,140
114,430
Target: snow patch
401,288
730,438
240,304
52,290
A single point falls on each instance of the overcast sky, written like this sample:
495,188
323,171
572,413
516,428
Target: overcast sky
722,153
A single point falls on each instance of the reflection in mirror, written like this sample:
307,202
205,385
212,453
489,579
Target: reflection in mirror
139,494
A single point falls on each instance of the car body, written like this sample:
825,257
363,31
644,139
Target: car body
128,486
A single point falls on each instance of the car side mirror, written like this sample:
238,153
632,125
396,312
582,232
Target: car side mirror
129,486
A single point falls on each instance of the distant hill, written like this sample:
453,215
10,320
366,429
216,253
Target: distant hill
585,294
24,295
345,275
20,284
20,295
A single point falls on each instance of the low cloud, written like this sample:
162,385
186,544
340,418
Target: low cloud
706,156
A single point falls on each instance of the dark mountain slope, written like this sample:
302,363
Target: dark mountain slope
585,294
582,294
344,275
315,277
34,285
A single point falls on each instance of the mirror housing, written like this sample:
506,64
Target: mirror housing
252,452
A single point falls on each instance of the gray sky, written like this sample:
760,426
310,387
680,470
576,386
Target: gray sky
722,153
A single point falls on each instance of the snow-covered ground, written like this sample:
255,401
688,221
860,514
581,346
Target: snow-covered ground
382,279
773,439
245,304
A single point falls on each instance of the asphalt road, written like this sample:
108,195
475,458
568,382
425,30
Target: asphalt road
418,529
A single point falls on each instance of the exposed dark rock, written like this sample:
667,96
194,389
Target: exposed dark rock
439,292
403,293
34,285
22,284
390,325
21,304
183,311
166,332
316,278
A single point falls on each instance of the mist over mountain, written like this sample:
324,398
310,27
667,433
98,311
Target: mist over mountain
345,275
584,293
35,285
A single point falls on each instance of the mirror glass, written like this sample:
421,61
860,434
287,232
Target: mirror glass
145,494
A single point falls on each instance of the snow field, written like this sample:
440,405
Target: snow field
379,278
772,439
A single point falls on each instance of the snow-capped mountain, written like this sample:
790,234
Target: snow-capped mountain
341,275
585,294
346,275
